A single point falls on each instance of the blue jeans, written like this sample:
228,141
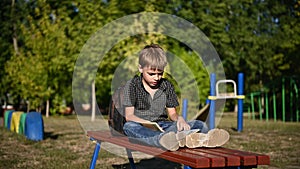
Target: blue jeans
142,135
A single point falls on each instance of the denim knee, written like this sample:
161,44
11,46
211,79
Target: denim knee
128,126
197,124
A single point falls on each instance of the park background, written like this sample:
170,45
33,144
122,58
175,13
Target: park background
41,40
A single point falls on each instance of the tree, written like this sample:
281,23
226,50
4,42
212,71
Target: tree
259,38
12,14
44,66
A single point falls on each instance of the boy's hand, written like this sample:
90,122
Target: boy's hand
182,124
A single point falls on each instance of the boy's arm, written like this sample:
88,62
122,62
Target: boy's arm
129,115
181,123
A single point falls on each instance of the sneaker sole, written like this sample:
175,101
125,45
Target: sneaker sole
182,134
169,141
182,143
196,140
217,138
214,138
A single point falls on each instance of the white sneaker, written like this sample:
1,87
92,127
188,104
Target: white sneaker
217,138
214,138
182,134
182,142
169,141
196,140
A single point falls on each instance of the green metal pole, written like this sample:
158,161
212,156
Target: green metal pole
283,100
267,108
291,99
252,106
249,114
297,100
274,105
297,106
259,105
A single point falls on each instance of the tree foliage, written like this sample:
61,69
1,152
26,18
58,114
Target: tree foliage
259,38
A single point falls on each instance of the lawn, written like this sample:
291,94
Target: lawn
66,146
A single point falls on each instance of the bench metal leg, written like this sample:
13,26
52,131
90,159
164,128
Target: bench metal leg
95,155
130,158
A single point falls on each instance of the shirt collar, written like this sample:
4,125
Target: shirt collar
162,85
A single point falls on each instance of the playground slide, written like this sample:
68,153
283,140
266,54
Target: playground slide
202,114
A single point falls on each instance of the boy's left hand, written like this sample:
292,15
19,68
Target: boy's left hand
182,124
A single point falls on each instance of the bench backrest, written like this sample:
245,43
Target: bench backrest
116,113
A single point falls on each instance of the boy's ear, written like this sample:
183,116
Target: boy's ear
140,69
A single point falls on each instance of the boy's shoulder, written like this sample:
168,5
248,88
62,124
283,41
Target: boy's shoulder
165,83
136,80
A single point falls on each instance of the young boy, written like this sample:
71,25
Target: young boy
151,98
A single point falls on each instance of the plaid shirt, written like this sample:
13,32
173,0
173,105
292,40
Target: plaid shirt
146,107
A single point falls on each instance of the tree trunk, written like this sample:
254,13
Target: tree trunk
28,106
93,102
14,36
47,108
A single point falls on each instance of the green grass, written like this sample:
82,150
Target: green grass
279,140
66,146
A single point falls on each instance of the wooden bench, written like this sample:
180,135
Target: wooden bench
195,158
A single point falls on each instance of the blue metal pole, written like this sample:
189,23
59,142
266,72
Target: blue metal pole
95,155
212,108
184,108
130,158
240,92
184,115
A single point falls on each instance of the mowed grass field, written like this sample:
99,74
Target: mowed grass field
66,146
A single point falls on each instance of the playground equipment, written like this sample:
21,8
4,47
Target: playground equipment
282,94
202,113
34,126
7,118
22,123
15,121
216,94
30,124
237,94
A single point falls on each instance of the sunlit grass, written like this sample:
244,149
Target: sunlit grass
66,145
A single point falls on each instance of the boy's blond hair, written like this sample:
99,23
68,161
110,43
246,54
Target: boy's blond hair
153,57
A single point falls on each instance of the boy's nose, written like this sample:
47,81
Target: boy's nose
156,77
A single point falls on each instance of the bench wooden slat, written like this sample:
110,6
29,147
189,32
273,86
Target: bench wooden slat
196,158
215,160
247,158
186,159
230,160
260,158
177,156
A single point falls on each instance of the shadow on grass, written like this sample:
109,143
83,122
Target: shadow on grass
150,164
53,136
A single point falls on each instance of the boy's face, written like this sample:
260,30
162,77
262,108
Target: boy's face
151,77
